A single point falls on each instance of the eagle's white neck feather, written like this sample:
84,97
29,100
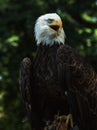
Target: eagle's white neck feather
43,33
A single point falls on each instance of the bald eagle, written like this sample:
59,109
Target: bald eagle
58,81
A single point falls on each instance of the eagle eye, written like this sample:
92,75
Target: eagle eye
50,20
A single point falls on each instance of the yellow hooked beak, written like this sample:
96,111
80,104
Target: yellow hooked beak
56,25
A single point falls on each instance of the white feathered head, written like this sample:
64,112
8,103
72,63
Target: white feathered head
49,30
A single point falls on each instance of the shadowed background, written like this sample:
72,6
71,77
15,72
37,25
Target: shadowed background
17,19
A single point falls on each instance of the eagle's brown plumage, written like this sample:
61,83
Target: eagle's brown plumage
44,94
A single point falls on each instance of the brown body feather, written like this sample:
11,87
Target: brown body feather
57,69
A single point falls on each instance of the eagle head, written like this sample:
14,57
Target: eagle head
49,30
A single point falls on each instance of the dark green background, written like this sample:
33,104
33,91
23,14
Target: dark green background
17,19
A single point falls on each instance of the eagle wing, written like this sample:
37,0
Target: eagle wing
81,81
25,84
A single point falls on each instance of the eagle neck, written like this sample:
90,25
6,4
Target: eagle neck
47,48
45,52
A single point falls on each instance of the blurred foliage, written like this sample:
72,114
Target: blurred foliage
17,19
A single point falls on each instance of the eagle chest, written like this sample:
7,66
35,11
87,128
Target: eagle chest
45,66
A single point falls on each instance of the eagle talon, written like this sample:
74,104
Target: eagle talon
68,120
